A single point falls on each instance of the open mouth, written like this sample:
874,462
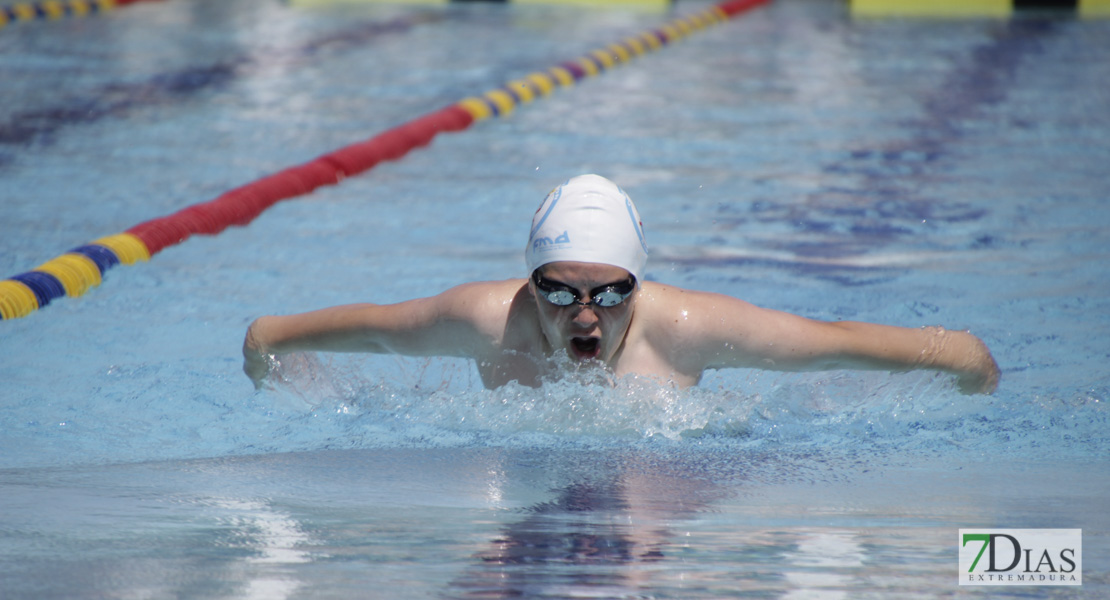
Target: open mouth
585,347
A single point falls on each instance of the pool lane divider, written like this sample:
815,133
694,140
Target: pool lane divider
57,9
82,268
651,4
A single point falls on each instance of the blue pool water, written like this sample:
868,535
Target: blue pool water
904,172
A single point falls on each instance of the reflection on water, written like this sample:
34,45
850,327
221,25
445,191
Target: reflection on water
584,540
274,539
658,525
680,521
646,525
823,562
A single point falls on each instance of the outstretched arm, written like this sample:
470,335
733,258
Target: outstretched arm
849,344
737,334
443,325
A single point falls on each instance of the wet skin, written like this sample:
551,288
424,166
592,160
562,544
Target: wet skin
589,332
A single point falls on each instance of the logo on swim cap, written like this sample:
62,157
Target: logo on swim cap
587,219
545,243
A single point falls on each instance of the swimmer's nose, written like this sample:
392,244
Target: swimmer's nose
585,316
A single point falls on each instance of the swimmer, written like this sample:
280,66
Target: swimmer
585,297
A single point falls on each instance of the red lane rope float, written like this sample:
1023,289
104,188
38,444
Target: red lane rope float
56,9
82,268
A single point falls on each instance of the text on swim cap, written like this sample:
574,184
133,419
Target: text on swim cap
543,242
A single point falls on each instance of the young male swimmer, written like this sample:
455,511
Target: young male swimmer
586,297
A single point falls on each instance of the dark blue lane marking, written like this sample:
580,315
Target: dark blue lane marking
882,208
39,125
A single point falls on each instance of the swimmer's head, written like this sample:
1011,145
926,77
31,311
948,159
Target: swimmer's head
588,219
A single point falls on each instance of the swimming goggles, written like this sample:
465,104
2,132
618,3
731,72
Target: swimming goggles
564,295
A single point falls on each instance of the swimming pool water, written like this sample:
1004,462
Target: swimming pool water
905,172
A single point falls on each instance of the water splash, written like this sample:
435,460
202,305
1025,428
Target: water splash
360,401
437,402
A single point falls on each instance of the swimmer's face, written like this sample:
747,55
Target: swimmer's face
588,332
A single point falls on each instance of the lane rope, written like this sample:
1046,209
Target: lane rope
49,10
83,268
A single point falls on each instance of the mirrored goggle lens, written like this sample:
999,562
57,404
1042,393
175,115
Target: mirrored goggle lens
560,297
605,298
609,298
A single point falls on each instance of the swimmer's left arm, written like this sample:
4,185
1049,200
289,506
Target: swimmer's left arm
851,344
737,334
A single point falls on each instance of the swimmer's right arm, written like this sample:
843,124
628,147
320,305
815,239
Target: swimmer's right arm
422,327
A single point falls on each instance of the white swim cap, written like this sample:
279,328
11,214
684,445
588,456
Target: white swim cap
588,219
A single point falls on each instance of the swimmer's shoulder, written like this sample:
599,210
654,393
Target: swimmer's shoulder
671,310
664,299
484,302
687,328
500,311
484,294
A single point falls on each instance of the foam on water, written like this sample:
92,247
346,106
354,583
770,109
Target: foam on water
438,402
320,402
